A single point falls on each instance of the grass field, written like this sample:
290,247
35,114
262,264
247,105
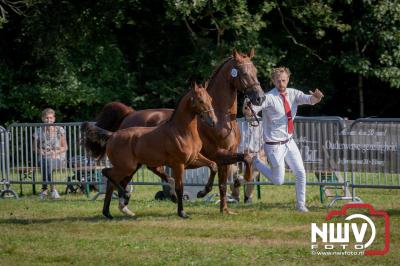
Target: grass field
72,231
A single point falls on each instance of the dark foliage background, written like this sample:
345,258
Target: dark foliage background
75,56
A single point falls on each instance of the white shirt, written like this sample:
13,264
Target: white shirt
275,121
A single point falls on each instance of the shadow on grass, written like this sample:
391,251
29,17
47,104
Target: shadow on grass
393,212
91,219
97,218
276,206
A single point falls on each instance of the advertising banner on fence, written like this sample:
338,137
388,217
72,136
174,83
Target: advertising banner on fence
342,145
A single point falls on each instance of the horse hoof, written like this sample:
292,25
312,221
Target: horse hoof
126,211
108,215
183,215
230,212
174,198
237,183
201,194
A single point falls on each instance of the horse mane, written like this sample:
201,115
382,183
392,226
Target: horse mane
177,105
211,80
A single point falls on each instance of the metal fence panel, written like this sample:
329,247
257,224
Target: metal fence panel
313,136
365,153
374,152
4,154
78,168
5,190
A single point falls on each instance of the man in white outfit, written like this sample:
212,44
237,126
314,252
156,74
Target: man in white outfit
278,111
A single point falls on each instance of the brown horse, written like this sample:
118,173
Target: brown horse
175,143
220,143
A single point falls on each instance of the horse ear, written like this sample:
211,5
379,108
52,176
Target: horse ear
206,84
251,53
236,54
196,88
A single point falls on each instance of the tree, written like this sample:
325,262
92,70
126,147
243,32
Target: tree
223,25
362,38
75,55
71,61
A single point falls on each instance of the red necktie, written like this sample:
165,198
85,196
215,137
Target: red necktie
288,113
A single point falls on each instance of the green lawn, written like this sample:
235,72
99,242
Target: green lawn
72,231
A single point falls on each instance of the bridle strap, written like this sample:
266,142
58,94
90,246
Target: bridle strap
206,111
245,88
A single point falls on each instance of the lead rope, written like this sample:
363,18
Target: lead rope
256,121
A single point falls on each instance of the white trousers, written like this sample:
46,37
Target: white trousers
277,156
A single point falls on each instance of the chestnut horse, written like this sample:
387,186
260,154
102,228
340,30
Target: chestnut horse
175,143
237,73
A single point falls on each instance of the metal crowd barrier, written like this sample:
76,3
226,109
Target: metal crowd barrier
311,135
374,153
339,155
78,170
5,190
314,136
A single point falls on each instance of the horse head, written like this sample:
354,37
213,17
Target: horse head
245,78
202,105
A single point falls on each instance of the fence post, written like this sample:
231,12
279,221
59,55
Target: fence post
5,191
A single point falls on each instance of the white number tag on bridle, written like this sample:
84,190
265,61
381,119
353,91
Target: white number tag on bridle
234,72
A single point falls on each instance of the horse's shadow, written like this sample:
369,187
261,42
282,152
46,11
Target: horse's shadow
26,221
89,219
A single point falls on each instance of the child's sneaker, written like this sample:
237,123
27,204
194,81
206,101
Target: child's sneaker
54,194
43,194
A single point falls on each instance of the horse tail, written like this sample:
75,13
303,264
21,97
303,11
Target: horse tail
108,120
94,139
112,115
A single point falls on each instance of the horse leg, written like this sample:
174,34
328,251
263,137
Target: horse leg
208,187
107,200
112,174
225,157
127,194
201,161
222,180
166,178
178,175
124,195
235,187
109,191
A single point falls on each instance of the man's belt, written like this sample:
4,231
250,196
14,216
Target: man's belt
277,142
